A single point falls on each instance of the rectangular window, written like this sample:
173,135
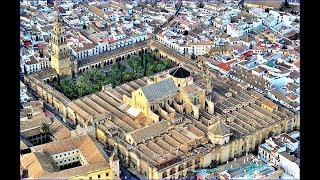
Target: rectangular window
98,175
107,174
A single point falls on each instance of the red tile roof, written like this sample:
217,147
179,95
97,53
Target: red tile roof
291,33
275,46
224,66
111,40
292,96
248,53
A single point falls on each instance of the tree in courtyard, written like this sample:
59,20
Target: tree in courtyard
166,63
44,130
68,88
120,77
118,63
82,85
134,63
156,52
146,59
160,67
142,52
128,75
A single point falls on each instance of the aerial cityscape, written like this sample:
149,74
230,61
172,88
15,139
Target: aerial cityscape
162,89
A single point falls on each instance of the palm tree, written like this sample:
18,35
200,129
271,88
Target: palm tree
82,85
44,130
156,52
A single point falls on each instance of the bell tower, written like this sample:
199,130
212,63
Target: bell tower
60,53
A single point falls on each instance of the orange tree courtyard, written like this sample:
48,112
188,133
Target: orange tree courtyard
92,80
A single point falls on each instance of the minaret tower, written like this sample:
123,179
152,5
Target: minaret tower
60,53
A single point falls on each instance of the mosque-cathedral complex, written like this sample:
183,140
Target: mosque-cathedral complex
171,123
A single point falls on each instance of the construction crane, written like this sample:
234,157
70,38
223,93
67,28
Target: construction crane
250,168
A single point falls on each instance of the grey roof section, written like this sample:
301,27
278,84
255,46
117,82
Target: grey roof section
159,89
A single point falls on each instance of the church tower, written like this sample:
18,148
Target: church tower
60,53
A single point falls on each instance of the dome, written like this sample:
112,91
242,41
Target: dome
179,72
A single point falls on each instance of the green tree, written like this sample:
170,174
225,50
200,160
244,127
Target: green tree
118,63
82,84
146,59
127,75
156,52
44,129
141,55
120,77
167,63
134,62
149,72
160,67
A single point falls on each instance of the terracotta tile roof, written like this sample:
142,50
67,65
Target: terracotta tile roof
291,33
269,103
46,73
294,74
292,86
34,122
224,66
24,144
59,131
37,164
219,49
292,96
232,39
42,165
77,171
295,104
33,60
190,88
219,129
29,133
202,43
280,96
240,47
149,131
84,47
